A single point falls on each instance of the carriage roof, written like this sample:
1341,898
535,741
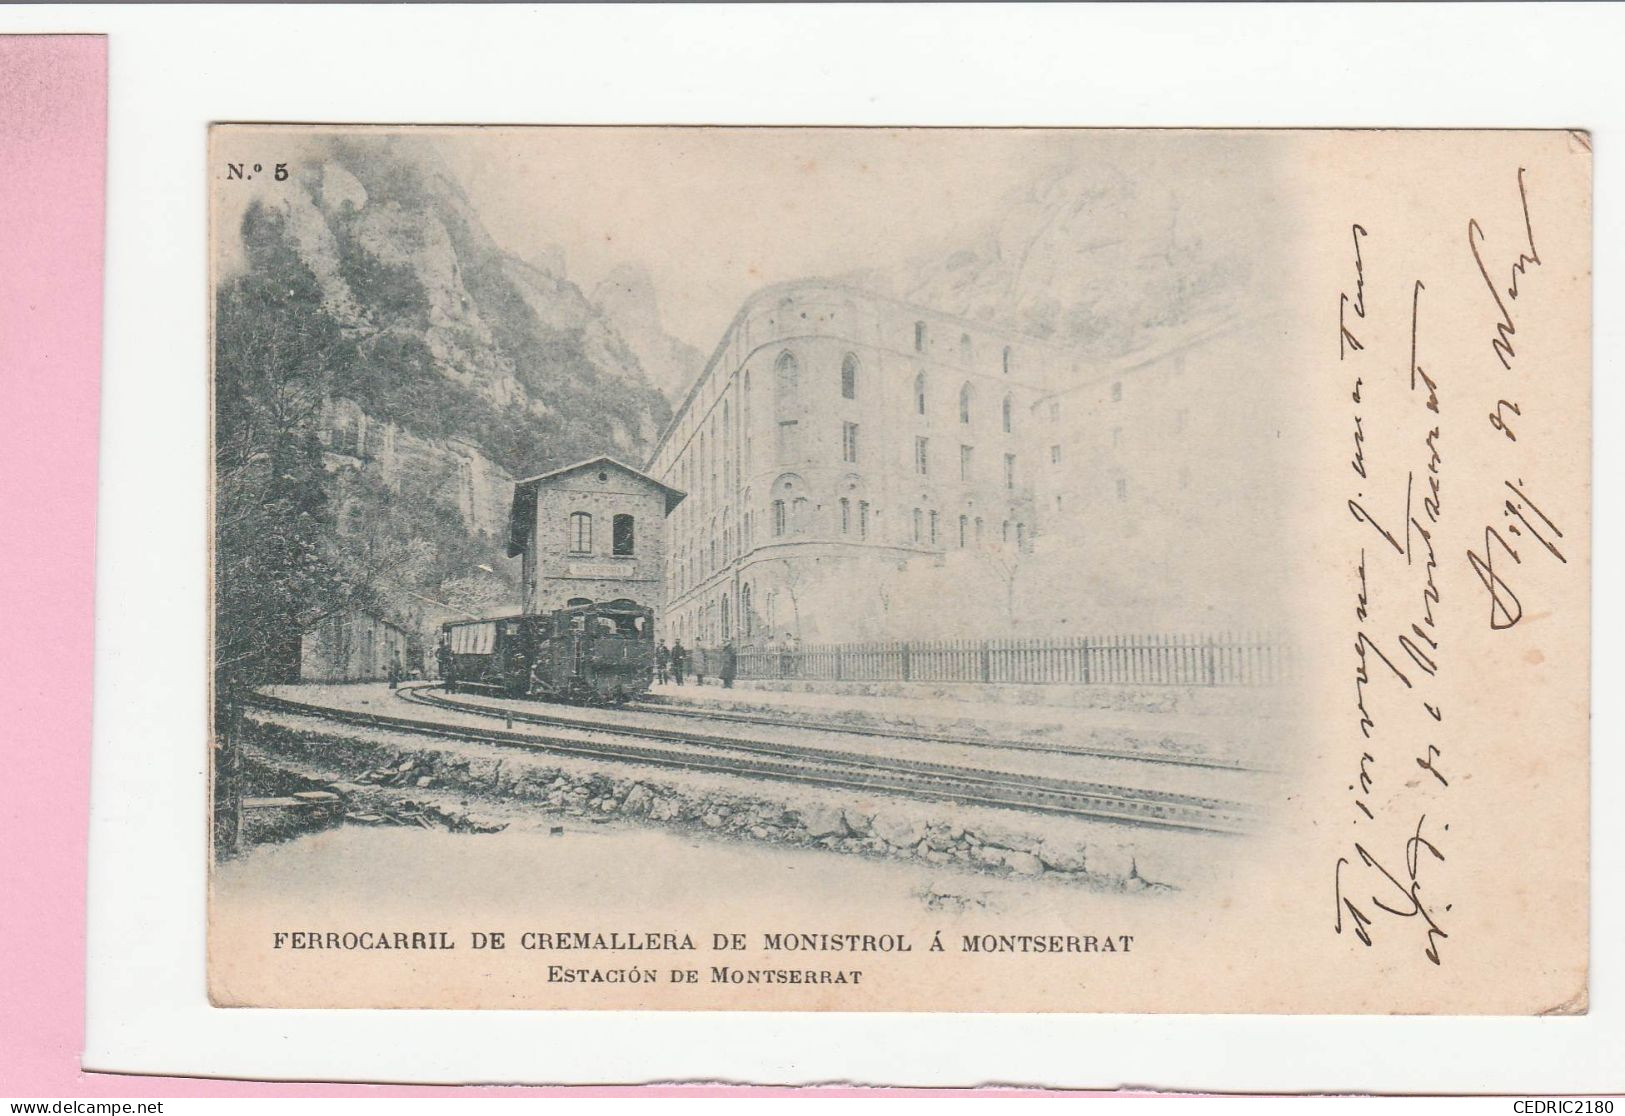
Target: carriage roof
449,624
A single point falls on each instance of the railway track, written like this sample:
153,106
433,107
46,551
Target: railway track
940,738
683,750
657,706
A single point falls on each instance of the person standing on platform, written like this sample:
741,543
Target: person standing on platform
442,657
730,665
679,661
662,662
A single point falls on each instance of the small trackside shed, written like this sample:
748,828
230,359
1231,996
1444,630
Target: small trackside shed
354,646
592,531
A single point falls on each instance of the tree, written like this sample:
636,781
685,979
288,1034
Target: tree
274,575
794,582
1004,563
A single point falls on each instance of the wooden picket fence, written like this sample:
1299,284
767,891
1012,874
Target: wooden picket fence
1134,660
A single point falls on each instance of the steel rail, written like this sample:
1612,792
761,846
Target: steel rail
781,749
658,706
964,785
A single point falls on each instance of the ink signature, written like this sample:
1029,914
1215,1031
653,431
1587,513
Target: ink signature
1398,898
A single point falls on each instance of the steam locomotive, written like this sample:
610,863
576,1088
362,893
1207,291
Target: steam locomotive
590,653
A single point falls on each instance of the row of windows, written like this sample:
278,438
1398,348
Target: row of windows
697,471
693,562
927,528
967,403
787,378
789,451
709,623
622,529
790,518
967,349
789,445
967,462
792,515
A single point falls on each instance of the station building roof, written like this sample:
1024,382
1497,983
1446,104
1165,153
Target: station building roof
522,517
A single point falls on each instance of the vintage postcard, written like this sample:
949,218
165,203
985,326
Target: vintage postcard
820,569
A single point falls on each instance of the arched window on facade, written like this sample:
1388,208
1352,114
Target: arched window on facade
846,516
935,535
1021,535
1007,360
727,619
965,393
787,376
919,337
746,621
580,537
1005,416
789,504
849,377
918,523
863,519
623,539
919,394
964,531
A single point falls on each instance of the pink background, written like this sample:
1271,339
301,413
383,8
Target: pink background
53,152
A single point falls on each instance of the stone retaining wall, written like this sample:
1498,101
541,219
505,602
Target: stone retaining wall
936,833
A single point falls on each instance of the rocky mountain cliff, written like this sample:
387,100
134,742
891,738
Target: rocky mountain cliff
1092,256
372,311
404,265
627,296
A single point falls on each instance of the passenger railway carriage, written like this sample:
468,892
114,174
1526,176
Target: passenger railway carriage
586,653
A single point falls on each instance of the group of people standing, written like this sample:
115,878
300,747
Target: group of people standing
673,663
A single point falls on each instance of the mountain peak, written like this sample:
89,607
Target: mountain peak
627,297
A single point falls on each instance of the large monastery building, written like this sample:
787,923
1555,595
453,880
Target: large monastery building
859,468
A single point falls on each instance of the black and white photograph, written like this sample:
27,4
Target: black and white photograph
858,569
